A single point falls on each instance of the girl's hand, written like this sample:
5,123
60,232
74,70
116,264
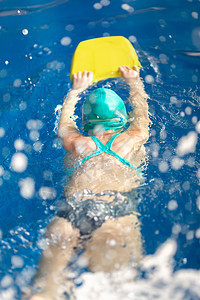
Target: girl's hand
129,73
82,80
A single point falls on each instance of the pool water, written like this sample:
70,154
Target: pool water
38,39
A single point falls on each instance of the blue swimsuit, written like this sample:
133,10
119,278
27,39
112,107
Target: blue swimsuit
90,214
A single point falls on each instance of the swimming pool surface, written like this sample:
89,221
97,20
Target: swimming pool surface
37,41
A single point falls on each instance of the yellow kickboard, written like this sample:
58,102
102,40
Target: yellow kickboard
103,56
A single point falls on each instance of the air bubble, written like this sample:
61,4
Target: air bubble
65,41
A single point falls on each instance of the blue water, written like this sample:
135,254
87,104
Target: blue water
34,73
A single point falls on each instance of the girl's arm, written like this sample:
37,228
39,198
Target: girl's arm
140,116
67,129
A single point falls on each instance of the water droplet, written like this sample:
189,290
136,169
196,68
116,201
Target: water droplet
149,79
25,31
19,162
97,6
27,187
132,39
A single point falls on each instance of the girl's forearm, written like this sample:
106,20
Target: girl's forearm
67,119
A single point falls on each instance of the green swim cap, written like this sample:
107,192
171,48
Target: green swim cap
104,110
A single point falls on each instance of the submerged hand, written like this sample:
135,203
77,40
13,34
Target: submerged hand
82,80
129,73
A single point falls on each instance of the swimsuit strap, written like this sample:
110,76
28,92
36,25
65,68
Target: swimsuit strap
107,149
101,148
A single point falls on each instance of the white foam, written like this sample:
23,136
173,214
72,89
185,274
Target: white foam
161,282
187,144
